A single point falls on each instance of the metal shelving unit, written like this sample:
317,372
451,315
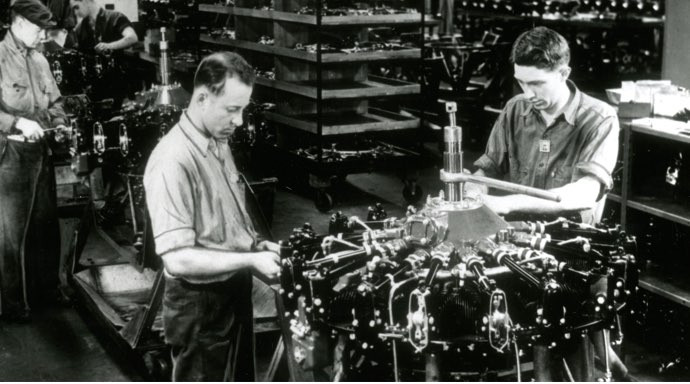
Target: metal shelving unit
325,96
670,287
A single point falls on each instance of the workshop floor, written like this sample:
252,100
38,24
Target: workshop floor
61,344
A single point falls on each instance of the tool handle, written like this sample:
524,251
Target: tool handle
499,184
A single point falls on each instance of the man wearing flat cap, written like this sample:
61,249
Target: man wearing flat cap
29,104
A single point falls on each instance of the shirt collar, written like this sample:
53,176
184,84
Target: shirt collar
570,110
203,142
15,44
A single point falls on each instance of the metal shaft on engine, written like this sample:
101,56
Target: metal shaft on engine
452,154
165,73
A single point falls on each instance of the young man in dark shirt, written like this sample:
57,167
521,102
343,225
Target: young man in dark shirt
554,137
102,30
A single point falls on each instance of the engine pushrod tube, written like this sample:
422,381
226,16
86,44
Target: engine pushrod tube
448,177
505,260
335,258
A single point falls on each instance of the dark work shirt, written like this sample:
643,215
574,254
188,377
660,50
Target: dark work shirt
582,141
109,26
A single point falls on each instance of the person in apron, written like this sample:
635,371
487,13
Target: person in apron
29,104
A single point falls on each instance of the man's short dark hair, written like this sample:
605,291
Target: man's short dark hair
541,47
217,67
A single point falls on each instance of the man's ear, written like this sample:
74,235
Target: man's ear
201,97
565,72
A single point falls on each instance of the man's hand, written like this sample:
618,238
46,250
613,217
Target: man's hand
268,246
103,47
496,204
266,266
29,128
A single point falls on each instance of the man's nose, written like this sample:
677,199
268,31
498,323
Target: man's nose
237,120
528,92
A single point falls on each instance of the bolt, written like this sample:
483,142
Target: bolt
365,345
352,336
281,291
291,295
321,310
485,320
567,336
317,302
298,287
355,322
372,323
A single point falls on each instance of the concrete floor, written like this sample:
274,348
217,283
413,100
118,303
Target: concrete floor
61,344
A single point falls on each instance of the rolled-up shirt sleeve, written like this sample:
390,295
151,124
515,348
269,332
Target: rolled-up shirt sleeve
169,198
599,154
492,162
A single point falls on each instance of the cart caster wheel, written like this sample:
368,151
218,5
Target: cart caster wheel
412,192
323,201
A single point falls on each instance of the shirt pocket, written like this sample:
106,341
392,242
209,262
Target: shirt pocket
560,176
16,92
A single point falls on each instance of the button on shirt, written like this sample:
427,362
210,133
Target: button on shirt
194,194
582,141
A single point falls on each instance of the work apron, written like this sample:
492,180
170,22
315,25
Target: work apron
29,230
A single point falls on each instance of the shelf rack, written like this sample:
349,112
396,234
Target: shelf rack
323,96
652,280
